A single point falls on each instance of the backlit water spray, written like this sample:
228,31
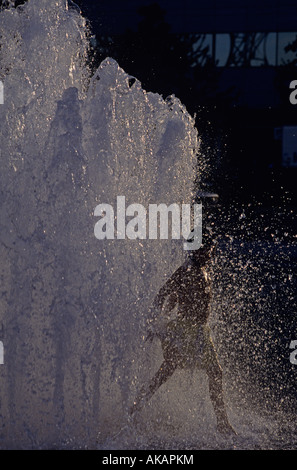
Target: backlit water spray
74,309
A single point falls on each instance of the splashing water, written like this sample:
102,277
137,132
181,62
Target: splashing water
74,308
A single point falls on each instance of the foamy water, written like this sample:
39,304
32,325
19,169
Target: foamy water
73,308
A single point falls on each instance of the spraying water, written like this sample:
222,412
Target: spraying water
73,308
